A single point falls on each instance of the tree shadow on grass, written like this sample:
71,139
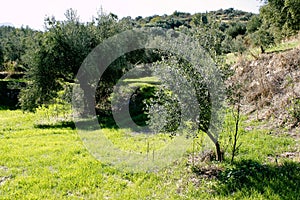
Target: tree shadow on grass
8,107
58,125
90,124
282,180
107,121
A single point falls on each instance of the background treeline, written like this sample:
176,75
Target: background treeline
51,58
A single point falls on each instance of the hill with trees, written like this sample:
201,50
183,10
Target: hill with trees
248,149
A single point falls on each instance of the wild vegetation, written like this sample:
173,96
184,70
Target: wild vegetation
255,155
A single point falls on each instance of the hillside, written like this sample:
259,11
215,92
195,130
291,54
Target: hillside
226,18
270,89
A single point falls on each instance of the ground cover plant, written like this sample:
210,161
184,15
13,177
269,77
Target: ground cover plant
52,162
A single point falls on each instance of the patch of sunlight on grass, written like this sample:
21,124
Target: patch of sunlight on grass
127,140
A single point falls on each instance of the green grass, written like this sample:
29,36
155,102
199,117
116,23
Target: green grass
52,163
125,140
143,81
14,80
284,46
148,79
248,55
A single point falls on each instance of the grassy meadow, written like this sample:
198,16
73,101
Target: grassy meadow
51,162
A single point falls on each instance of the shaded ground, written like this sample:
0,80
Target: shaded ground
250,177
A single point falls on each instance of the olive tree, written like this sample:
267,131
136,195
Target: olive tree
189,96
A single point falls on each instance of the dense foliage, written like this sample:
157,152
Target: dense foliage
14,44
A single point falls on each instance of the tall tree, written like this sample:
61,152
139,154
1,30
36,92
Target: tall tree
62,49
1,56
254,24
282,16
15,42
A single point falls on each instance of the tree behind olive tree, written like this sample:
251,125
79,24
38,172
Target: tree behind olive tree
1,56
262,38
62,48
282,17
14,42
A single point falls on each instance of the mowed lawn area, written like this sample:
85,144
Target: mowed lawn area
51,162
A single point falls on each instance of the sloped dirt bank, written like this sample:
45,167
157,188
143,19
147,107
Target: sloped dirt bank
270,89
